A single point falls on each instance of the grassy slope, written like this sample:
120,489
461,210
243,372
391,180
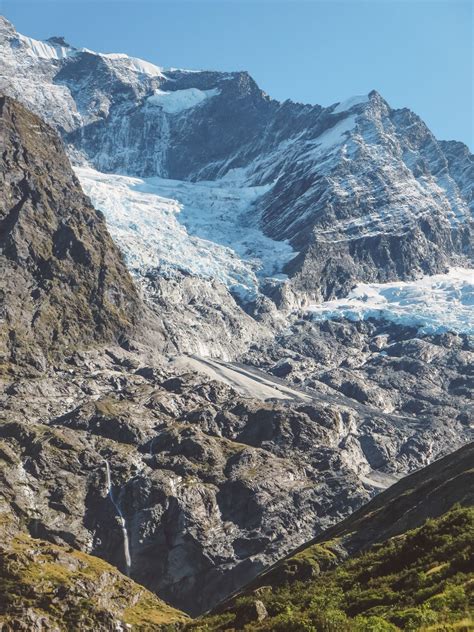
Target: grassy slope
421,580
72,591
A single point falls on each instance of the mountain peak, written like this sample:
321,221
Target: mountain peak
377,99
58,40
6,26
360,101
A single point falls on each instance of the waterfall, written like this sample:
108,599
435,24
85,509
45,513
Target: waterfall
123,524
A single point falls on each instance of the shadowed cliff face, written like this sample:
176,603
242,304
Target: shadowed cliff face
63,283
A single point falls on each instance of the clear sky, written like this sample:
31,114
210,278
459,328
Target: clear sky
416,53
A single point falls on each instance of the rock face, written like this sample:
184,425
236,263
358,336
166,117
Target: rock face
428,493
200,317
212,487
63,283
416,380
360,190
376,204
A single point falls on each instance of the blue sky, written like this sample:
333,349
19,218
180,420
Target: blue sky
416,53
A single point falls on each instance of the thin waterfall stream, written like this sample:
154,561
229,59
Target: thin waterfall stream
123,524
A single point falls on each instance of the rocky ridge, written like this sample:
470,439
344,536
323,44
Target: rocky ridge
63,282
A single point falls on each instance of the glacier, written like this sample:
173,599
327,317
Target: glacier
206,229
432,304
43,49
356,187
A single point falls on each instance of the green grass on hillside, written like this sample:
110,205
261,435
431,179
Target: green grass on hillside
69,590
422,580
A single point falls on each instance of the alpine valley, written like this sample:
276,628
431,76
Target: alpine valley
236,354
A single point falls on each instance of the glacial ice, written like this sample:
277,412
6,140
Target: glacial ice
433,304
45,50
41,49
207,229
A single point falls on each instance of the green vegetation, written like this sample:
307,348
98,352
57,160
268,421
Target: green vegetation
420,581
71,590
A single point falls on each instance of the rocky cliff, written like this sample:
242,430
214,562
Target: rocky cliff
63,283
56,588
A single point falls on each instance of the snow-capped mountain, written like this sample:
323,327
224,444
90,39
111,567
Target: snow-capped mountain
354,192
196,443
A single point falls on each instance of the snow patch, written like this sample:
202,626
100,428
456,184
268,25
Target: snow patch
331,138
350,103
434,304
45,50
134,63
180,100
